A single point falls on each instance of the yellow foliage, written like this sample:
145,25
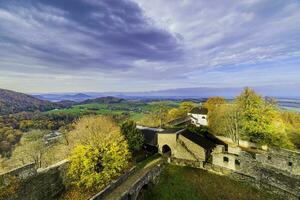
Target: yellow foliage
100,152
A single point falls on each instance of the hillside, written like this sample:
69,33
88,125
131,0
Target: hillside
14,102
105,100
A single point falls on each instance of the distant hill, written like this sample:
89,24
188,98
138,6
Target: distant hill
104,100
14,102
63,97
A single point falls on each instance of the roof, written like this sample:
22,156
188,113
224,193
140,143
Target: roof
203,141
201,111
150,136
179,121
170,131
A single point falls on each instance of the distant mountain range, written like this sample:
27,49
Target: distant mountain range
197,92
13,102
59,97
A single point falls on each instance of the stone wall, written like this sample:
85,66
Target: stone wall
107,190
150,177
44,184
177,150
181,147
269,169
282,159
21,172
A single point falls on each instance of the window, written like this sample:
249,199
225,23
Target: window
290,164
269,158
203,117
237,162
225,159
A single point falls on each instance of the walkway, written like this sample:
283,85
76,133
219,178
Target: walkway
142,170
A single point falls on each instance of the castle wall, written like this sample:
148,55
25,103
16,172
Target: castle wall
270,169
35,184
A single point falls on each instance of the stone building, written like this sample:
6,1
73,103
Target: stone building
199,116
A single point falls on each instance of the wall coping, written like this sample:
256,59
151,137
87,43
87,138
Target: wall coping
17,170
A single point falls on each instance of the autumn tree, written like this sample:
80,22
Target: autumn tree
226,121
249,117
134,136
181,111
186,106
31,149
260,121
214,102
100,152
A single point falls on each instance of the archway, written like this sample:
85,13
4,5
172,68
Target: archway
166,150
143,192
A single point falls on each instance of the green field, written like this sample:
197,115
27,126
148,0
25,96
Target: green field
194,184
135,109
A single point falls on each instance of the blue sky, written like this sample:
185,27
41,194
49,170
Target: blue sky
140,45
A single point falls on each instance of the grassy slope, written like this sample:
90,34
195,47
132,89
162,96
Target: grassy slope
188,183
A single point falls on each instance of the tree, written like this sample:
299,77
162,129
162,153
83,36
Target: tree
260,121
134,136
214,102
226,121
186,106
31,149
160,113
100,152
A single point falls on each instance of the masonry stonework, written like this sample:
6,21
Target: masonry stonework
39,184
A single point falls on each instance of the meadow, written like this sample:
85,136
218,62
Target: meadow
134,109
177,182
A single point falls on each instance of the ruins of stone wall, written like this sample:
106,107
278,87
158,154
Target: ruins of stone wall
283,159
275,174
38,184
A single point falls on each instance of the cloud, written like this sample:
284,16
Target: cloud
144,45
101,37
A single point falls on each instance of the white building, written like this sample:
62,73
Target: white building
198,116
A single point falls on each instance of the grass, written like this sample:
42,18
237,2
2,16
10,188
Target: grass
136,110
178,182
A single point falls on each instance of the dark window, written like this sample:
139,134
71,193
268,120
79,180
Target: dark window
225,159
290,164
203,117
237,162
269,158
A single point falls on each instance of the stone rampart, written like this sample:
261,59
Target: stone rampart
38,184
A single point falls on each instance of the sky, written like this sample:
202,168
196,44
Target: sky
143,45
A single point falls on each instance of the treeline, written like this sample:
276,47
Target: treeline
248,117
254,118
12,126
